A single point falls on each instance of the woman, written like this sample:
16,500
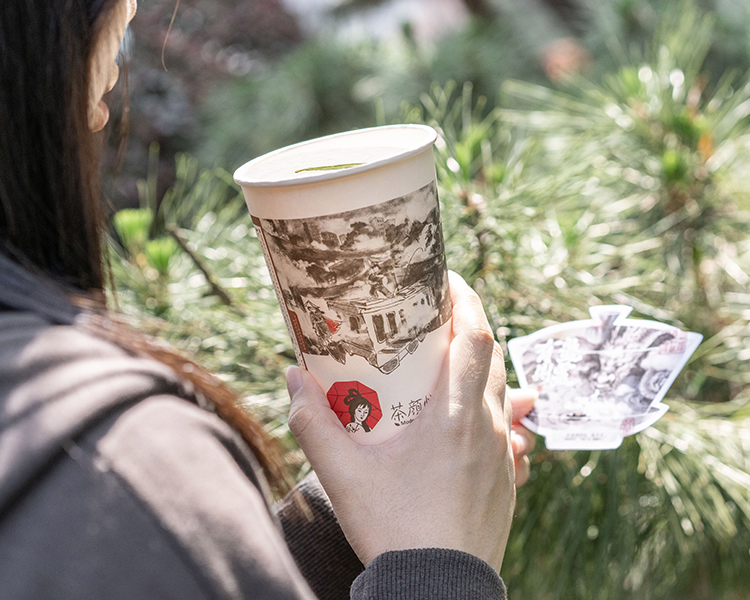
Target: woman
122,476
359,411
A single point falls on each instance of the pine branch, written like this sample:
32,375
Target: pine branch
216,289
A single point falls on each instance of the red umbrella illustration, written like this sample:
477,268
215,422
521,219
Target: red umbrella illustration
333,325
345,397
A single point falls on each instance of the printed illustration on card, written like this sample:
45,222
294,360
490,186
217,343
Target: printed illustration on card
599,379
368,283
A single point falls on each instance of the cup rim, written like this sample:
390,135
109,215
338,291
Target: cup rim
322,176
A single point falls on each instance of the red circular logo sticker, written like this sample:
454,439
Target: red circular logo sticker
356,405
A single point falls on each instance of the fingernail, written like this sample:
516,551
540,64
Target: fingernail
293,380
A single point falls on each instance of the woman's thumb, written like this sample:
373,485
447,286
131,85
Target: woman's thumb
311,419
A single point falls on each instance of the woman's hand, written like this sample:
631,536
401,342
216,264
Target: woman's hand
523,440
447,480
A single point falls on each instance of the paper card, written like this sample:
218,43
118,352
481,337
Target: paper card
600,434
599,379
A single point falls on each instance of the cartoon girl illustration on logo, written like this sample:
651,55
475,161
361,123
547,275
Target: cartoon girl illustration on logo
359,411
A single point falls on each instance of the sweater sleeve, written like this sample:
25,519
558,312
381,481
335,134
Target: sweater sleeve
428,574
316,541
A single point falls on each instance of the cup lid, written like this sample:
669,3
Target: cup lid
335,156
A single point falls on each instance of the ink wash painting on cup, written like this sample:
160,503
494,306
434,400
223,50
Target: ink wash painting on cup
370,283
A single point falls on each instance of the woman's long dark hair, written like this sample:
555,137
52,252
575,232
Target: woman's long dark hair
51,215
50,209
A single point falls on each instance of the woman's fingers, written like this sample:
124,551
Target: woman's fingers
522,439
474,357
523,468
522,400
312,421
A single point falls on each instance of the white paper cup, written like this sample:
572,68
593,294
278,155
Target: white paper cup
350,229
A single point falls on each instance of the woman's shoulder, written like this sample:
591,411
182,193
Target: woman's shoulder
46,360
58,384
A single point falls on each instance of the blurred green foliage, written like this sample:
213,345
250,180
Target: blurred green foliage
159,252
628,186
328,84
132,226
